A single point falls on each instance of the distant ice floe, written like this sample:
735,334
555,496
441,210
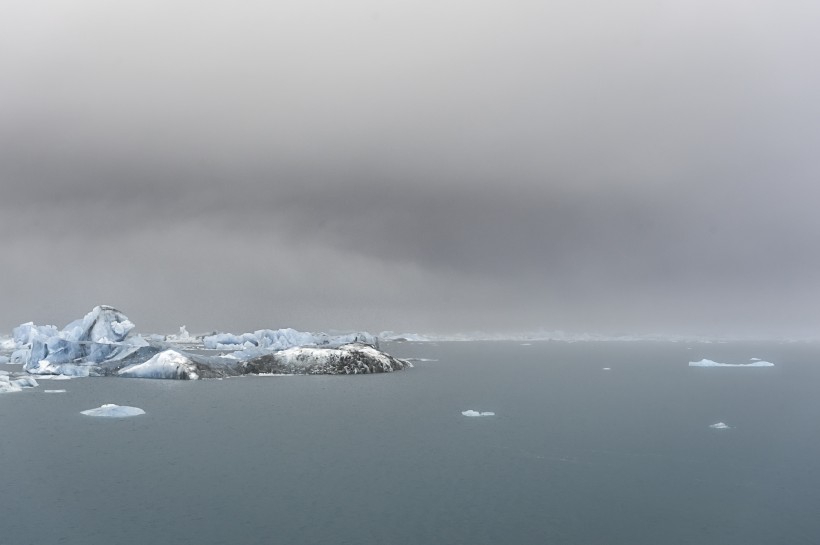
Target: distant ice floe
710,363
111,410
607,369
477,413
556,335
719,426
54,391
282,339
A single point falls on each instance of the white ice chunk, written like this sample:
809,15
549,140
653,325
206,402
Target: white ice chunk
168,364
719,426
182,337
113,411
476,413
754,359
8,384
45,367
54,391
607,368
102,334
710,363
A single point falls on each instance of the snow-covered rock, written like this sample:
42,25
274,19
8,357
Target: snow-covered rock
348,359
168,364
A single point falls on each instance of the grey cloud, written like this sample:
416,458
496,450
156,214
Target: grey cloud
462,165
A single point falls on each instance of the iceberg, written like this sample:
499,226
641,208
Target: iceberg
101,335
710,363
282,339
477,413
719,426
111,410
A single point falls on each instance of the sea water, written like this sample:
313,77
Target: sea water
573,454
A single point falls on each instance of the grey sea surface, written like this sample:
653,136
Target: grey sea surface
575,454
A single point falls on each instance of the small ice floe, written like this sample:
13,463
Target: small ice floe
54,391
607,369
476,413
526,344
9,384
719,426
754,359
710,363
413,360
111,410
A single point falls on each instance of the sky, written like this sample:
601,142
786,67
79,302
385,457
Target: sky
636,167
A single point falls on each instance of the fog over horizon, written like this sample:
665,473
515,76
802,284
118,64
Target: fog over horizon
631,168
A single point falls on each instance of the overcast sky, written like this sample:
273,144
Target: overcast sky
587,165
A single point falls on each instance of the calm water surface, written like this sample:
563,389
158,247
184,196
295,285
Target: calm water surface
574,455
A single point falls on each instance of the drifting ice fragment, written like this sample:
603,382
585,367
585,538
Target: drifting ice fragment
476,413
111,410
8,384
54,391
710,363
719,426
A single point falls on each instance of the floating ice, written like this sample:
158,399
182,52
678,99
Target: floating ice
101,335
607,369
167,364
54,391
710,363
7,344
282,339
9,384
182,337
476,413
719,426
113,411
